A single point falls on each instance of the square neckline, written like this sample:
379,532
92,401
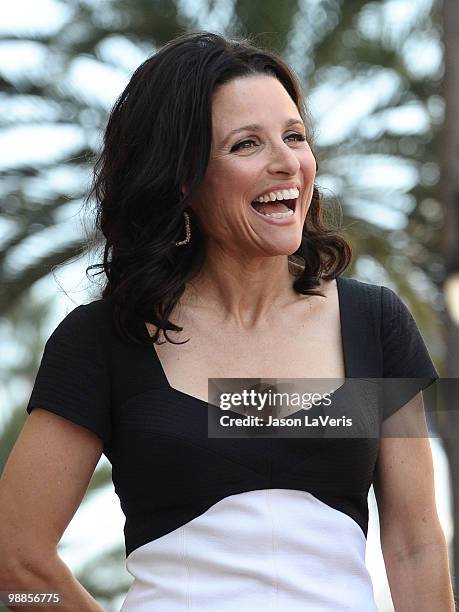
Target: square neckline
340,294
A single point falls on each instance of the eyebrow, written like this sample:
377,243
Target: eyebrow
256,126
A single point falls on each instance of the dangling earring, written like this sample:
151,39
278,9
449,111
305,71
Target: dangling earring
187,229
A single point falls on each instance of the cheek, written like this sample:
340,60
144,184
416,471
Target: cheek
232,192
241,175
308,163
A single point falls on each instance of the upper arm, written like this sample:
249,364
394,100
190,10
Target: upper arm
404,475
43,483
404,481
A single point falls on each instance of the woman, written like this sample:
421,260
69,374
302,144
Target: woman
214,239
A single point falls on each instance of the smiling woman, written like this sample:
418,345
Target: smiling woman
204,128
206,198
269,161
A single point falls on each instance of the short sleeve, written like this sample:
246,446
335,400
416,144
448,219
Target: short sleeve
405,355
73,378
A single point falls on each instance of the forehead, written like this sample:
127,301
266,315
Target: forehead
255,98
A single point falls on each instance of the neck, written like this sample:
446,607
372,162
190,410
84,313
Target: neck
240,292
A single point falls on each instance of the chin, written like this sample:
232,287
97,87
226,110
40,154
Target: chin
286,247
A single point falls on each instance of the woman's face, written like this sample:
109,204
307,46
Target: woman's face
268,156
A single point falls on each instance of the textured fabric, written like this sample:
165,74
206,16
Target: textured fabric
73,379
405,355
166,470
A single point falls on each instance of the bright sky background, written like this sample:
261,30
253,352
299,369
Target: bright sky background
335,108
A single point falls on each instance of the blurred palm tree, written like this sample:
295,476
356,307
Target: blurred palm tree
377,114
348,60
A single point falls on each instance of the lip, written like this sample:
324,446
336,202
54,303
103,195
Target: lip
273,221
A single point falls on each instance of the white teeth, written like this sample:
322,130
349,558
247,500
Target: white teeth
280,215
284,194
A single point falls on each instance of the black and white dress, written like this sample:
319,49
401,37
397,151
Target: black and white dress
230,524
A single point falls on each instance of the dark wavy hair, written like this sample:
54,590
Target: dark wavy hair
158,139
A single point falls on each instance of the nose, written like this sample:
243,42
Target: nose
283,159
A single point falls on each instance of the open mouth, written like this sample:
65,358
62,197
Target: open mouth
275,207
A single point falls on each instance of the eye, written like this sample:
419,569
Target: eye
298,137
238,146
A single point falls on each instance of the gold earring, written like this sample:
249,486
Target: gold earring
187,229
